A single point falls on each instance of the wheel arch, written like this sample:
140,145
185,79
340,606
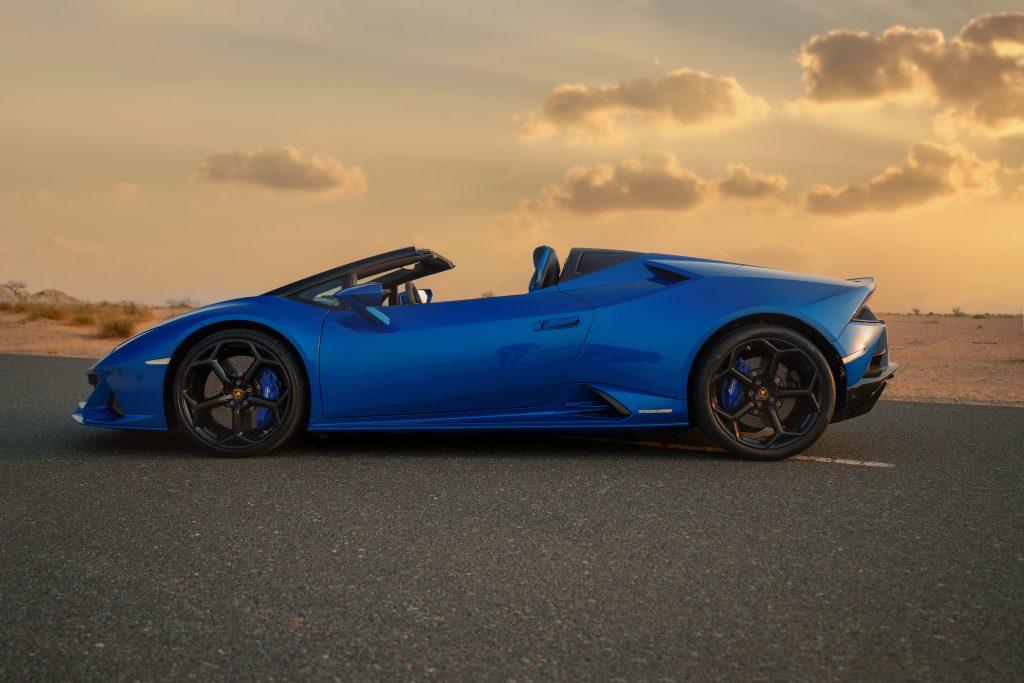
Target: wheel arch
835,361
205,331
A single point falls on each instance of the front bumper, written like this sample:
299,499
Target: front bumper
124,397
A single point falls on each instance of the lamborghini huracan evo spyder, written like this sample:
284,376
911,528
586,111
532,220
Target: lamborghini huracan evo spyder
760,359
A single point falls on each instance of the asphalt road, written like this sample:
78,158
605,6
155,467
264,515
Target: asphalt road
126,555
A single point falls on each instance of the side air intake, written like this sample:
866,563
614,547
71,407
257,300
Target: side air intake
595,403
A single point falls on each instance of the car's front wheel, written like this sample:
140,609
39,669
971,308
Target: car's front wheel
764,392
239,392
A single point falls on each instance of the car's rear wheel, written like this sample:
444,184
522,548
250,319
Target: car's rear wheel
764,392
239,392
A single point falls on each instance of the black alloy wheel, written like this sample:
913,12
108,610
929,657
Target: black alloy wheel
239,392
764,392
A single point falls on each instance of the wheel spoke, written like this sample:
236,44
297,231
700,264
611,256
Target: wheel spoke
273,406
222,375
257,361
250,372
773,367
814,402
776,422
733,372
203,406
732,417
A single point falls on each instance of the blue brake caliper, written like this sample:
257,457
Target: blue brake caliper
731,393
270,389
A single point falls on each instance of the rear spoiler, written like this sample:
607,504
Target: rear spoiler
869,282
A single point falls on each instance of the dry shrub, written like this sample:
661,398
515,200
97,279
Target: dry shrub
134,310
83,314
6,306
37,311
83,319
113,320
117,326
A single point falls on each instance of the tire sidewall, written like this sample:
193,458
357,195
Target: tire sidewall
701,395
296,380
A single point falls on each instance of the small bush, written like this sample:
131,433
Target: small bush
83,314
6,306
957,313
83,319
116,327
130,308
915,311
37,311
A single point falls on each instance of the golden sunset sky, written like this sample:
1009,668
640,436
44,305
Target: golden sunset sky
216,149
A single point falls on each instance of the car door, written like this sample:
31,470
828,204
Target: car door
479,354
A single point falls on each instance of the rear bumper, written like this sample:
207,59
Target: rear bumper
862,397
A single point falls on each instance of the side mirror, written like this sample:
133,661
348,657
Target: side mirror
365,300
427,295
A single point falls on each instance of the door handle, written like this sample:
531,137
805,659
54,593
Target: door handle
556,323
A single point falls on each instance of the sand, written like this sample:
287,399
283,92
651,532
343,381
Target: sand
50,338
970,360
976,360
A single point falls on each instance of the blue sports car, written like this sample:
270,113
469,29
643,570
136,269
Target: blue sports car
760,359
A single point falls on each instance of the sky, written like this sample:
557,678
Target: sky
152,150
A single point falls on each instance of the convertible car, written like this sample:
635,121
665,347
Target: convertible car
761,360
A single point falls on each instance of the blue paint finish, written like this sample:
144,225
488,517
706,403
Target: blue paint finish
493,353
857,337
608,350
140,387
646,334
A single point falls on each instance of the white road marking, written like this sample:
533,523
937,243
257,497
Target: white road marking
715,449
843,461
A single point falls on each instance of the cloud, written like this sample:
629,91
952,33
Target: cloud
930,171
656,182
980,71
988,29
70,247
284,168
683,100
742,183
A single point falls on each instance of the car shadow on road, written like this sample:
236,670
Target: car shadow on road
689,444
636,445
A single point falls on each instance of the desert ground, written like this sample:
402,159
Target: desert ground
43,337
968,359
942,358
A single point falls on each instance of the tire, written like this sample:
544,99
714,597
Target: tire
240,393
763,392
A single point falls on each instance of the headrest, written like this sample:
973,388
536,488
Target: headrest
545,268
